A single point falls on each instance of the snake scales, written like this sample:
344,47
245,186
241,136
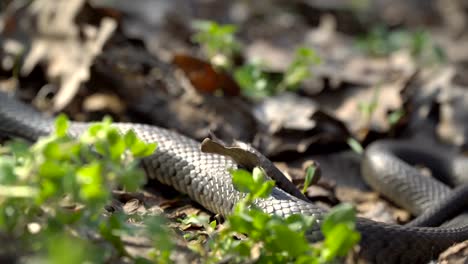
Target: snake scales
178,162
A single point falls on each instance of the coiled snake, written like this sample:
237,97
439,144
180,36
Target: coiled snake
178,162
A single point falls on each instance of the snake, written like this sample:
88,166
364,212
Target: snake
205,178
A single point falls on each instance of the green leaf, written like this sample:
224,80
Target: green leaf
259,219
309,178
258,175
7,174
241,223
52,169
61,125
95,128
339,231
90,136
138,147
160,234
19,147
264,190
243,180
296,76
253,184
243,249
68,217
341,214
254,82
130,138
216,40
48,188
213,224
63,248
296,243
110,230
116,144
53,150
299,69
132,179
395,116
299,223
107,121
90,179
141,149
355,145
340,239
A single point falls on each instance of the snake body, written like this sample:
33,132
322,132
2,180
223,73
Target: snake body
204,177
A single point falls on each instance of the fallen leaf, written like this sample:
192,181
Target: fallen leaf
456,254
291,123
204,77
102,102
68,57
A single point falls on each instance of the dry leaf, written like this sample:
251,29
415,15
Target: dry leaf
204,77
58,43
101,102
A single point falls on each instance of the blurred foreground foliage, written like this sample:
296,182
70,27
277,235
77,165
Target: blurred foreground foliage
52,196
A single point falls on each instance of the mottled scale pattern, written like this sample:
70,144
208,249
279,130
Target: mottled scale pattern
178,162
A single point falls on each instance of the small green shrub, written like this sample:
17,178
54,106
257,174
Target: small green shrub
52,193
257,83
52,196
381,41
220,45
272,239
218,42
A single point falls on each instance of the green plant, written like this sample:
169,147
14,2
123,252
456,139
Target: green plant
355,145
381,41
257,83
310,177
299,69
266,234
395,116
220,46
52,193
217,41
367,109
